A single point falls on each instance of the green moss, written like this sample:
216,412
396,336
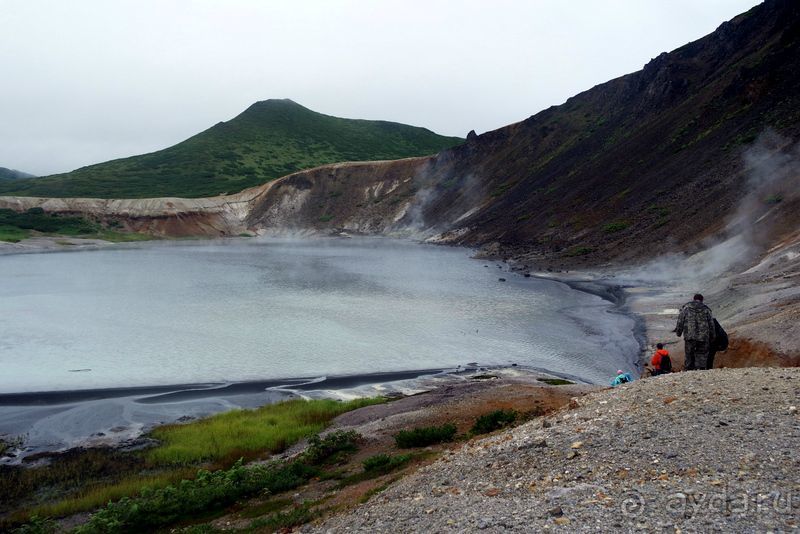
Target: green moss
503,188
616,226
579,251
556,381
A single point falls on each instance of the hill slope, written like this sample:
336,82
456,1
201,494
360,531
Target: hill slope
270,139
656,156
652,162
11,174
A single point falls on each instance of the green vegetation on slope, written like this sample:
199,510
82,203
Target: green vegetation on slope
231,435
15,226
87,479
11,174
270,139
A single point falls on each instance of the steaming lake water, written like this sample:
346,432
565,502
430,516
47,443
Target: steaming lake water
244,310
248,310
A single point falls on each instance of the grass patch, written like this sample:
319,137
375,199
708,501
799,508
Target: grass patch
376,466
661,211
283,521
494,421
93,497
616,226
166,479
579,251
424,436
374,491
10,443
326,218
12,234
556,381
269,507
773,199
447,184
123,237
483,377
503,188
210,492
247,433
65,474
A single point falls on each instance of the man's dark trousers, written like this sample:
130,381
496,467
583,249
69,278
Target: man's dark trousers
696,355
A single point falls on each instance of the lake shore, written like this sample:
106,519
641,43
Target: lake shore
58,421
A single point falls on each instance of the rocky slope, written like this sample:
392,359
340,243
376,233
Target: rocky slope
661,454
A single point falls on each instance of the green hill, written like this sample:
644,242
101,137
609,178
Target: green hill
11,174
269,139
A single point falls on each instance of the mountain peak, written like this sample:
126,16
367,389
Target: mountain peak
269,139
281,103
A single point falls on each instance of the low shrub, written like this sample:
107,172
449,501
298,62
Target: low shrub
37,525
616,226
493,421
424,436
156,508
385,462
376,466
284,521
331,447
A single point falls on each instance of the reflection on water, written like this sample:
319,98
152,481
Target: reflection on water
237,310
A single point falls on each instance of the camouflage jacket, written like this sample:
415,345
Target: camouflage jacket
695,322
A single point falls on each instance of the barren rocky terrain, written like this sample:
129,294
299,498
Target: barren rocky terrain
701,451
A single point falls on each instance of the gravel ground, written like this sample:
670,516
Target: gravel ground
693,452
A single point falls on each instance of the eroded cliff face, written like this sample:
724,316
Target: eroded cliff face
164,217
365,198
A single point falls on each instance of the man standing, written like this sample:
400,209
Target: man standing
696,324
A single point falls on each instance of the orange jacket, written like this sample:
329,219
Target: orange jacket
656,361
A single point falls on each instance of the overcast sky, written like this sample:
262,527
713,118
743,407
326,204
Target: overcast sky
84,81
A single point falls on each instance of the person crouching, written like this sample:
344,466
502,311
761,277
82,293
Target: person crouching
661,362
